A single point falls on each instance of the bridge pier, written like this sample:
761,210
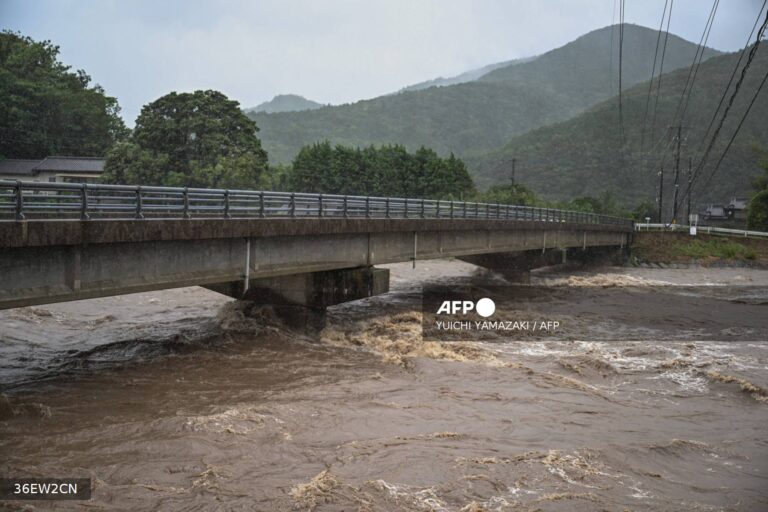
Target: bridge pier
316,290
516,266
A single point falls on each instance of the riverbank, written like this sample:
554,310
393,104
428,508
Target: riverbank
703,250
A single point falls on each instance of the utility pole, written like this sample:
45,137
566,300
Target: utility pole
690,184
661,195
514,161
677,170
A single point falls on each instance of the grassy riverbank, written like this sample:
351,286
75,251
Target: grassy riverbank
683,248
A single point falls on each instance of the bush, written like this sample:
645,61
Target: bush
757,218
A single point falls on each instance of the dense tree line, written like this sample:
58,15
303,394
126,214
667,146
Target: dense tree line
382,171
46,109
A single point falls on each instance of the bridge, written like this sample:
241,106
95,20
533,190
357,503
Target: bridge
66,241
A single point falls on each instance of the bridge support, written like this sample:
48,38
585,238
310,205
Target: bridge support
316,290
516,266
299,300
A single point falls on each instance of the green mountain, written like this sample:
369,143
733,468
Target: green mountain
467,76
583,156
285,103
482,114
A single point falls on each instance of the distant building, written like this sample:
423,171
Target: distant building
737,208
731,215
715,212
54,169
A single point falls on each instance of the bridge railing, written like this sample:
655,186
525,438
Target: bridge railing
24,200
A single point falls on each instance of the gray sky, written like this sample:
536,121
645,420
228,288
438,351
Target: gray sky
332,51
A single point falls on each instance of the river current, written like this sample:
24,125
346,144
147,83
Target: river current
651,395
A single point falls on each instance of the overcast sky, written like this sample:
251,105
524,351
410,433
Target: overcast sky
332,51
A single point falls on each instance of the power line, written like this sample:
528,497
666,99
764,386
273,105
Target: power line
688,80
733,74
610,56
735,133
661,71
653,72
621,58
737,87
697,58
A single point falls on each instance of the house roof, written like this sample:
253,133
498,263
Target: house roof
72,164
18,166
81,164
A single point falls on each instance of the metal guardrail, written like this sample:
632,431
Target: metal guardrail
24,200
708,230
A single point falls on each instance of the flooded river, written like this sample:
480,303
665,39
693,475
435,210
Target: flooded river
651,395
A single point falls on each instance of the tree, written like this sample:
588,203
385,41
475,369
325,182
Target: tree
383,171
46,109
757,218
199,139
515,194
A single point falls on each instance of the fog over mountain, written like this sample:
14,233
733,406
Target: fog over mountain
483,114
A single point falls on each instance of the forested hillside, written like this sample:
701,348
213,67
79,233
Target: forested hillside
583,156
483,114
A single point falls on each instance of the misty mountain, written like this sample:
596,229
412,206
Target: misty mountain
486,113
583,156
285,103
467,76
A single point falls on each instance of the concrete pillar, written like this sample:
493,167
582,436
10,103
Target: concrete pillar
598,255
516,266
316,290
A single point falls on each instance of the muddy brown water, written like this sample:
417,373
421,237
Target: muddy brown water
652,396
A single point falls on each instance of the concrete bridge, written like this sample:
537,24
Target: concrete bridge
62,242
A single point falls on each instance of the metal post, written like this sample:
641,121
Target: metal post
422,208
367,207
386,208
346,214
320,205
451,208
406,207
18,194
139,210
84,202
690,191
661,195
438,209
292,206
186,202
226,204
247,274
261,204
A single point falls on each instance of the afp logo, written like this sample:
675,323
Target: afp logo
484,307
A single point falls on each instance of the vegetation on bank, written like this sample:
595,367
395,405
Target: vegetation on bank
757,218
656,247
47,109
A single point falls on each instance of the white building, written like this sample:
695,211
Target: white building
67,169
